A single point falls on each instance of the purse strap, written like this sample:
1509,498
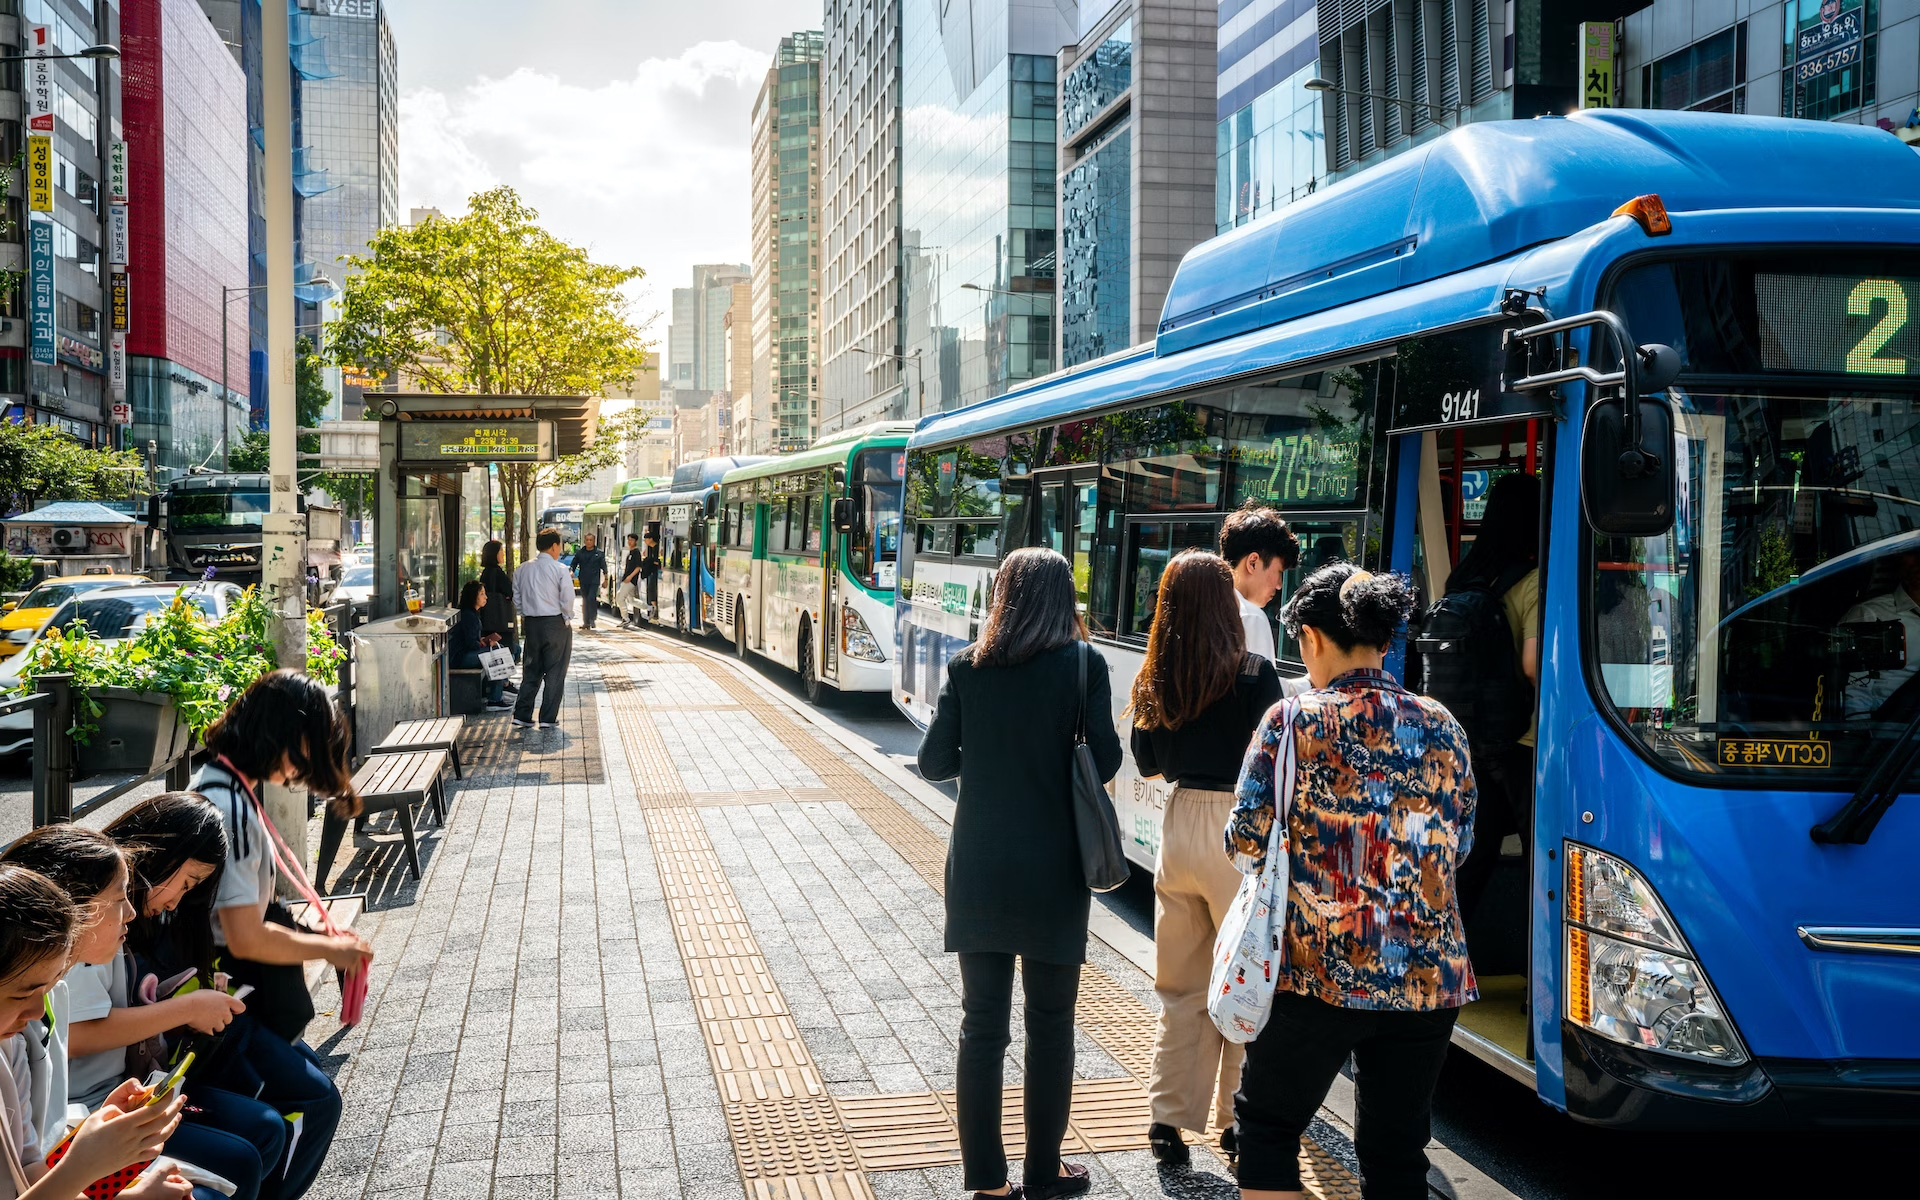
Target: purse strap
1080,723
284,858
1285,770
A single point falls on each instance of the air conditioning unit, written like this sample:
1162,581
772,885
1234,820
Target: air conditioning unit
72,540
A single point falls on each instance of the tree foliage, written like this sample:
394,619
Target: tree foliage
491,304
40,464
310,400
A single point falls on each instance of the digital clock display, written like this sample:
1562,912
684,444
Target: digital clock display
1838,324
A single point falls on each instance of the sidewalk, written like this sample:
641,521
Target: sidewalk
688,945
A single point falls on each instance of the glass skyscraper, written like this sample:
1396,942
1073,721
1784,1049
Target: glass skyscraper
977,194
786,249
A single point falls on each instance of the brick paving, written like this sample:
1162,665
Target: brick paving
531,1029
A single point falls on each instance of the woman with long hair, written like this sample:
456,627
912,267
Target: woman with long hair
1015,888
496,616
1379,816
468,639
1196,702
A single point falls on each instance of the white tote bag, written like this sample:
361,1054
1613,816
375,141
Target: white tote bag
498,664
1252,936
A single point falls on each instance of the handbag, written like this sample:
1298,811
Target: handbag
497,664
1253,934
1095,825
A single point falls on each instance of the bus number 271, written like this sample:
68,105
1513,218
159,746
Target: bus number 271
1460,406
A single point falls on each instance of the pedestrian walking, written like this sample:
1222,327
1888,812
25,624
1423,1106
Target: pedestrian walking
589,568
627,595
650,573
1015,887
498,615
1375,960
467,640
1260,549
545,592
1197,700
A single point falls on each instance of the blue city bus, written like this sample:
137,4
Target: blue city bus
1718,923
680,516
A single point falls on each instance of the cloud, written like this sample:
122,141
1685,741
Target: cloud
650,171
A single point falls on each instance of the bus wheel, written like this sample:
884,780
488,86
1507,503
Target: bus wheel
739,630
810,685
680,614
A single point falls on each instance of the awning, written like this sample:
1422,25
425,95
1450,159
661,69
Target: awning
574,417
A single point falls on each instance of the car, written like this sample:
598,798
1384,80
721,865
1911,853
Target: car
39,604
356,585
113,614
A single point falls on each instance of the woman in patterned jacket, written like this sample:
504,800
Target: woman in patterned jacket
1375,963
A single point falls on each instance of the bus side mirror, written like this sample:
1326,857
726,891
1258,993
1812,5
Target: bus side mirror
712,503
843,515
697,531
1627,489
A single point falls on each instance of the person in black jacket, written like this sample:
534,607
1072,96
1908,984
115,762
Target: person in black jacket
497,615
589,568
1196,702
1014,881
467,639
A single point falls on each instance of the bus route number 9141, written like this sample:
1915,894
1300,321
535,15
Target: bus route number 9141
1460,406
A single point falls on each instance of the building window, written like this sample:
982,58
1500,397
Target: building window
1708,76
1097,80
1829,58
1269,154
1095,209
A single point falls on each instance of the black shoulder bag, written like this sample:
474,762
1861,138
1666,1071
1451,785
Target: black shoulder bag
1102,860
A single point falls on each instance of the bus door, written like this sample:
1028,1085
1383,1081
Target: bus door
1439,499
833,545
1065,517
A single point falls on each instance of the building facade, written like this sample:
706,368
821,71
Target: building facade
978,160
786,249
1269,141
1136,107
696,336
71,392
864,375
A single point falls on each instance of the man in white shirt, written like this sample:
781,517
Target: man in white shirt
1868,690
543,592
1260,548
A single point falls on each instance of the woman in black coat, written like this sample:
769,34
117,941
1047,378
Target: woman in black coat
1014,883
497,616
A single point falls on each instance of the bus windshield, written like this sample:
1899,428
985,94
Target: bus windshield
216,512
874,548
1775,631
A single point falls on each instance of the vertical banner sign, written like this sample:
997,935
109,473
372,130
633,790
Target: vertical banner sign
1598,87
39,173
117,289
117,235
40,83
117,173
40,290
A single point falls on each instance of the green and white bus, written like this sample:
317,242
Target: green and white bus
807,548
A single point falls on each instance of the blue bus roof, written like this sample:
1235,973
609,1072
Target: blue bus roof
698,476
1427,240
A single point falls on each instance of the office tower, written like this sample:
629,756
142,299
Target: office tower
865,374
696,335
1269,143
978,156
786,249
238,24
739,374
53,362
1136,111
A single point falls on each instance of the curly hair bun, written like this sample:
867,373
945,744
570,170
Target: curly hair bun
1375,606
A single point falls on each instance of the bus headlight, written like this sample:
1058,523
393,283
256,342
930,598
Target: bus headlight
856,640
1631,977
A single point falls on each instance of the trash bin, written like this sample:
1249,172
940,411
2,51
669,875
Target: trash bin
400,671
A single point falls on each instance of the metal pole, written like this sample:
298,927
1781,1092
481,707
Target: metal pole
53,750
226,406
284,554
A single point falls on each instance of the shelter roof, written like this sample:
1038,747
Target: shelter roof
72,512
574,417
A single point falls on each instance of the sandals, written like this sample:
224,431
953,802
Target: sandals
1169,1148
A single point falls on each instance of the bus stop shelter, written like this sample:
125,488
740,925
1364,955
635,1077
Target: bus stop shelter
429,447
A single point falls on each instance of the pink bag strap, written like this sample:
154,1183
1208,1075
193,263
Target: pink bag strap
284,858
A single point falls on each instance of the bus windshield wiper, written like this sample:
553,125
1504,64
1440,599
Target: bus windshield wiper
1855,821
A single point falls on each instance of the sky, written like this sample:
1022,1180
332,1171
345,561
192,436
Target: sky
623,122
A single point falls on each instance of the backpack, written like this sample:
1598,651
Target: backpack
1467,663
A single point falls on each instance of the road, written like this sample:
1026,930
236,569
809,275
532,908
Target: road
1499,1126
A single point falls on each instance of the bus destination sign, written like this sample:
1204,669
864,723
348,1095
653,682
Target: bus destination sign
476,441
1456,378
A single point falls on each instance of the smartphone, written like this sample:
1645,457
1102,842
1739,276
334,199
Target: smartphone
243,991
173,1081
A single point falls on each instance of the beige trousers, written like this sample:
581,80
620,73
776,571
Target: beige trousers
1192,888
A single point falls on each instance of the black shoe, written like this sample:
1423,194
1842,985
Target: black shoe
1168,1146
1075,1182
1016,1193
1229,1145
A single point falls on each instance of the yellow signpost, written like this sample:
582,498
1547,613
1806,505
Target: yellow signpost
40,173
1599,88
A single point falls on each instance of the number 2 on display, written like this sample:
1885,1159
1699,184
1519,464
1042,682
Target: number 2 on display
1864,358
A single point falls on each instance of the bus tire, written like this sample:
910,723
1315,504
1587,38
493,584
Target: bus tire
740,627
810,682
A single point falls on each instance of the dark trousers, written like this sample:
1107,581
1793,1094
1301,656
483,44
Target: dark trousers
496,688
549,650
286,1077
238,1139
589,600
1397,1058
986,1008
1505,805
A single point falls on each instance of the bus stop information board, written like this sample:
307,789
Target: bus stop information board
476,441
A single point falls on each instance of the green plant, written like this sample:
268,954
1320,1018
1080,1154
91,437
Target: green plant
16,572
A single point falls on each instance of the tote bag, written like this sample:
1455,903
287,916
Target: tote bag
497,664
1095,825
1253,934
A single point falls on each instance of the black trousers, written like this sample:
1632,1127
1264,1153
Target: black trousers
1397,1058
986,984
549,650
1505,781
589,599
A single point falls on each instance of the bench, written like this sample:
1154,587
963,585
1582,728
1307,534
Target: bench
431,733
391,782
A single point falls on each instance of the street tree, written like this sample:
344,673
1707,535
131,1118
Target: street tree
40,464
491,304
310,400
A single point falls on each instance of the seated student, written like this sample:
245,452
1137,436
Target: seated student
283,729
38,926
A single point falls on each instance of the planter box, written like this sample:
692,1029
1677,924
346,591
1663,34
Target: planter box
139,731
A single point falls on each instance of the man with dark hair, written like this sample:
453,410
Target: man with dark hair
627,596
543,589
1260,548
589,567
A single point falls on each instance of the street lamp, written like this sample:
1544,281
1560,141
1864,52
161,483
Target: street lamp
1327,85
103,50
227,295
903,359
980,287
